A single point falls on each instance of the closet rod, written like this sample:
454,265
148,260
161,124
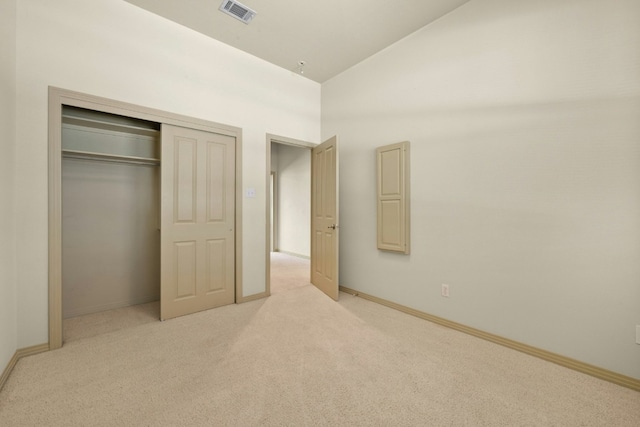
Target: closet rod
115,158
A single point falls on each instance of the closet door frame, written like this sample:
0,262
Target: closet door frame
59,97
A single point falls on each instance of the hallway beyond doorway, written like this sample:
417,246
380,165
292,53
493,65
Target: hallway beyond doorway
288,272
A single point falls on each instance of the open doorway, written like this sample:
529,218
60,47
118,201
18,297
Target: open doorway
289,213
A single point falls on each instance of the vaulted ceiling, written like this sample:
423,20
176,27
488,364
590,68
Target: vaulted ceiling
330,36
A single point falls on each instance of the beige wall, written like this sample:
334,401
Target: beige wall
113,49
8,306
524,125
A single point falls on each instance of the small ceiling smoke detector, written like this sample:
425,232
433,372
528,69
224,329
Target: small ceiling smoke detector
237,10
300,67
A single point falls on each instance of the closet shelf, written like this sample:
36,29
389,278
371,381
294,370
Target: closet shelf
118,127
87,155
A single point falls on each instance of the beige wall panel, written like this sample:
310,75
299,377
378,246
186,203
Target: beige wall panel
390,212
390,172
393,197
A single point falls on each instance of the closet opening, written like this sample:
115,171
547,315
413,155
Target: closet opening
110,212
113,149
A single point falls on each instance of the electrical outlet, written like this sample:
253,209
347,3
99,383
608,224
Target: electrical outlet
637,334
445,290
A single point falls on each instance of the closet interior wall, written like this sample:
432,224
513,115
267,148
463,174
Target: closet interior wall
110,211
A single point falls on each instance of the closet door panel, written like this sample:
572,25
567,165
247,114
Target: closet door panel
185,274
216,182
185,180
216,266
201,165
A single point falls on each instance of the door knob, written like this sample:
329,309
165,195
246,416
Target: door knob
333,226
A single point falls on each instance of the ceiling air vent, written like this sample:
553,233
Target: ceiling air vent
237,10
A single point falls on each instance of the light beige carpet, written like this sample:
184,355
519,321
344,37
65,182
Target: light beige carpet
298,358
288,272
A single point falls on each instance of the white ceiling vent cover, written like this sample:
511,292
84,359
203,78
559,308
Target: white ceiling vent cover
237,10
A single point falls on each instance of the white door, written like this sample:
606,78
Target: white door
197,221
324,217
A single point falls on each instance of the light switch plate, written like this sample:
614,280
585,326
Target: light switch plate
445,290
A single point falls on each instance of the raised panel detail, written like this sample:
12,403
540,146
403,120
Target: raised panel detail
185,269
391,219
318,185
319,258
185,180
328,204
330,256
216,182
216,265
393,197
390,179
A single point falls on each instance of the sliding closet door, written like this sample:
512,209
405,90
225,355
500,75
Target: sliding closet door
197,221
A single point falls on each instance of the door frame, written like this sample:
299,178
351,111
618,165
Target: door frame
59,97
277,139
273,211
